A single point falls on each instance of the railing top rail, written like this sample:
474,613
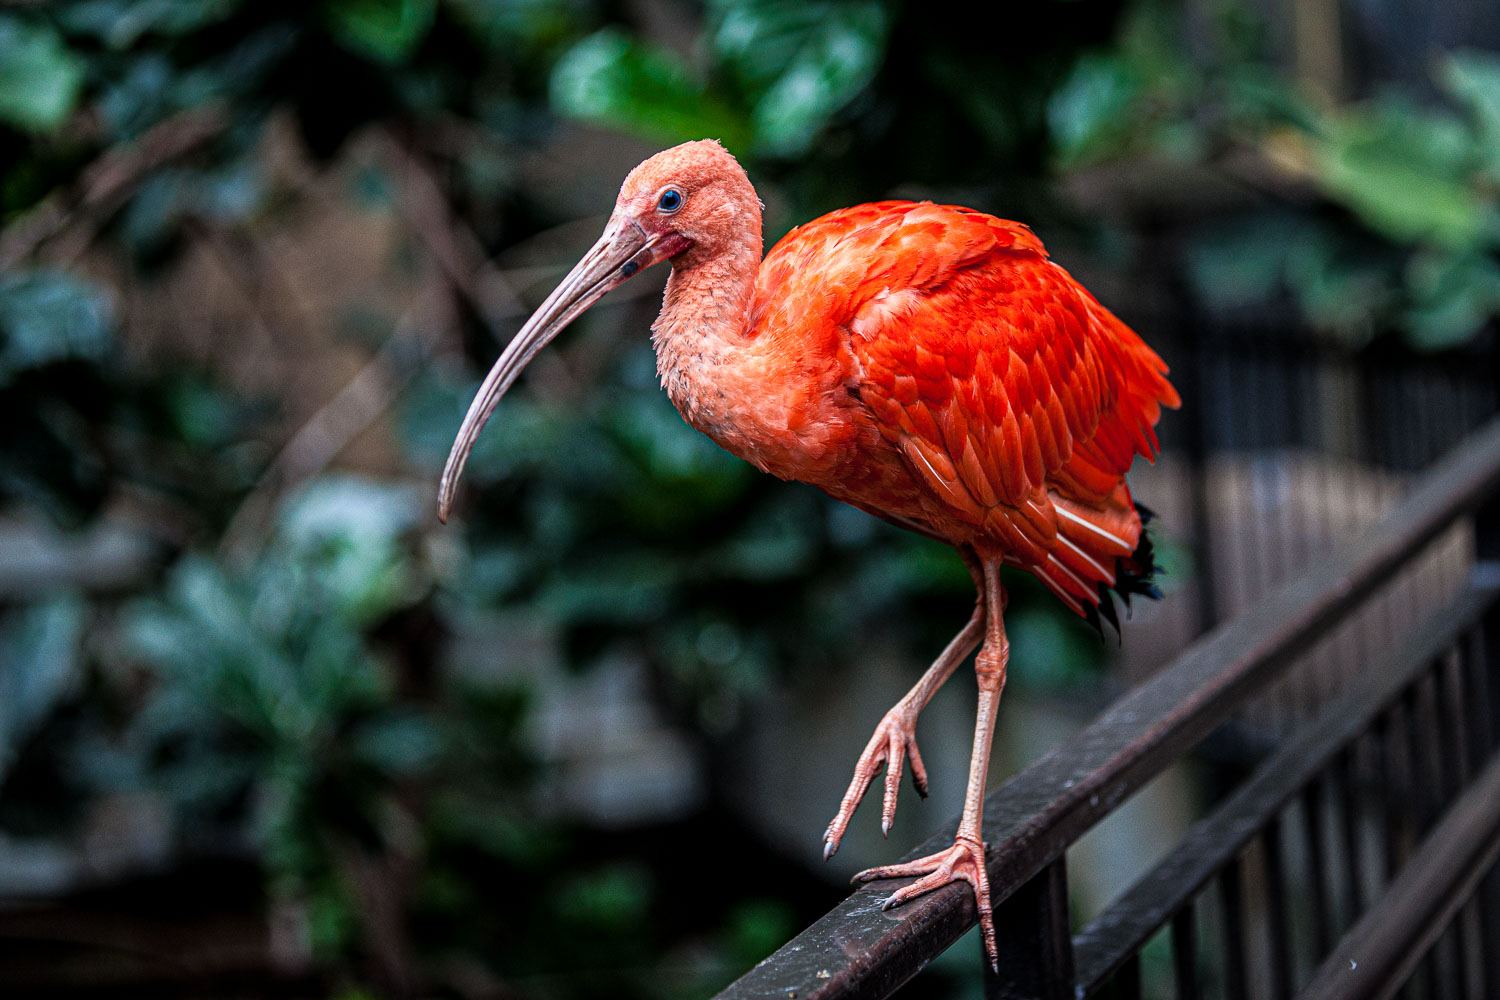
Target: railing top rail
857,949
1378,954
1213,842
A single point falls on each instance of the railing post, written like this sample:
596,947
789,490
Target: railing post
1487,536
1035,938
1486,569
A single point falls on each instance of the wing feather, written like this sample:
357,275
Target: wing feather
996,376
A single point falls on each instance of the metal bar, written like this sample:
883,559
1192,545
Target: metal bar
1348,795
1232,897
1185,952
1455,724
1277,914
1476,679
860,949
1035,938
1377,955
1127,984
1422,792
1488,900
1213,843
1485,668
1470,947
1449,958
1319,889
1393,800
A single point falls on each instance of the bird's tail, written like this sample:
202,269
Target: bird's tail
1103,552
1135,575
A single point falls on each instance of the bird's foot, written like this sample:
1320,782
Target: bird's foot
895,739
964,861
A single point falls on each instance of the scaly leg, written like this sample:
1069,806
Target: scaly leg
896,736
965,859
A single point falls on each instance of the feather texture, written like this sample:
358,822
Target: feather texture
930,364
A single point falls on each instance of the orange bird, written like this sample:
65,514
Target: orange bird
925,363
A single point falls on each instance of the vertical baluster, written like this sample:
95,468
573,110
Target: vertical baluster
1471,951
1277,916
1487,910
1320,893
1236,987
1035,939
1349,827
1485,654
1448,741
1439,773
1127,982
1453,719
1429,972
1395,794
1420,762
1484,657
1476,675
1450,958
1185,952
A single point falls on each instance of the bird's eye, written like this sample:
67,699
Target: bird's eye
670,201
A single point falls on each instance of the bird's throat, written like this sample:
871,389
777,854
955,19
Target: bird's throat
702,334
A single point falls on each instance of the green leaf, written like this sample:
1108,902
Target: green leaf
802,62
1404,171
1451,298
40,77
611,79
119,24
1091,115
519,26
398,743
386,30
47,317
1473,78
39,650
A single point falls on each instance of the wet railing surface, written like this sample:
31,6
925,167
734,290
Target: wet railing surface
1356,859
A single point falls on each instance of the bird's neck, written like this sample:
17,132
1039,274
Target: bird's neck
759,387
702,335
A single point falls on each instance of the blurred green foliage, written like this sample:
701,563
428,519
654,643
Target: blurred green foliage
1416,249
290,694
773,74
294,694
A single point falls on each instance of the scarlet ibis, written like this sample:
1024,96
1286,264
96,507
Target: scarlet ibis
927,364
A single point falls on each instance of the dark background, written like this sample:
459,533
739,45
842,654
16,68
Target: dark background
267,728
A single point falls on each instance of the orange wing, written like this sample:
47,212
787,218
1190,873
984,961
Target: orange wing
1016,399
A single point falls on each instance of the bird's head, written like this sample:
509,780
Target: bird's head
686,204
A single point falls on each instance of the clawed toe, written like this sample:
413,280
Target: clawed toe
964,861
894,743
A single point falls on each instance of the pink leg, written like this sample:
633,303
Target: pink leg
896,737
965,859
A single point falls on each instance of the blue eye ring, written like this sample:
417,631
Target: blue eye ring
670,201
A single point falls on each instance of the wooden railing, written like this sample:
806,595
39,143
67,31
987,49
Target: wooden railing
1374,828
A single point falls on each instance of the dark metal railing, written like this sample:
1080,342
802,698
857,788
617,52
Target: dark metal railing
1380,813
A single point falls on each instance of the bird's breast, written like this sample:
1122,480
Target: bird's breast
793,415
779,416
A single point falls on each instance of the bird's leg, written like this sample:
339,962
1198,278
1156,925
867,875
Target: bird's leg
965,859
896,737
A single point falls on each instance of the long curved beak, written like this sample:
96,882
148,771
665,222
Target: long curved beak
623,251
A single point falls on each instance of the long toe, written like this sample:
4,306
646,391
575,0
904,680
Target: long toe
963,862
894,740
907,869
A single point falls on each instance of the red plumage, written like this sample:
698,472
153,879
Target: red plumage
925,363
1008,402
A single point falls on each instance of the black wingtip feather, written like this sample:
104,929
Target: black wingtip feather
1135,575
